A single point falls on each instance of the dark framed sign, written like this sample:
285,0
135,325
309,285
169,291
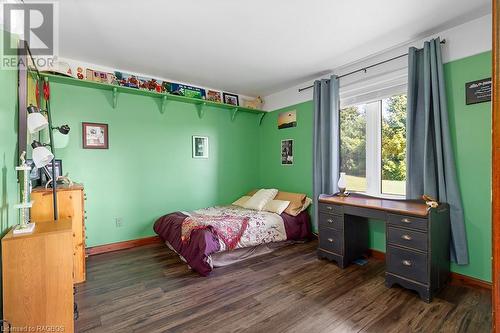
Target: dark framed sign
46,172
95,136
478,91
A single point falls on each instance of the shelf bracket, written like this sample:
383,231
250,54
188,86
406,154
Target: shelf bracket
262,118
164,102
115,97
233,116
201,109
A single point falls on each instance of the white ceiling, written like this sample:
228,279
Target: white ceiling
249,47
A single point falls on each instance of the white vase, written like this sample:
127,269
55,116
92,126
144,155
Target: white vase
342,183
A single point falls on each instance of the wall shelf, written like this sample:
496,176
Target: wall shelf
201,104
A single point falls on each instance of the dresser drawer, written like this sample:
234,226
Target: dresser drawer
406,263
330,240
407,221
408,238
331,221
330,209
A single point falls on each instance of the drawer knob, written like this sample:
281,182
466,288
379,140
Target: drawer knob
330,240
406,262
330,221
406,220
406,237
329,207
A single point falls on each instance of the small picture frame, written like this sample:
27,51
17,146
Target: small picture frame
231,99
214,96
287,152
95,136
200,146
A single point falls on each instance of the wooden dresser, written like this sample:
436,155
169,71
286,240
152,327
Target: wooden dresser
417,238
70,203
37,272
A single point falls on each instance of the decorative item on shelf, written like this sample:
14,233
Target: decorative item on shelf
214,96
342,184
255,103
100,77
57,67
79,73
187,91
36,120
287,119
95,136
200,146
151,85
287,152
127,80
24,225
430,201
231,99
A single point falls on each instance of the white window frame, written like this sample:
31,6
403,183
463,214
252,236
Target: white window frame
374,148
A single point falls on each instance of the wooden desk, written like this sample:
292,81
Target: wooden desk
38,278
417,238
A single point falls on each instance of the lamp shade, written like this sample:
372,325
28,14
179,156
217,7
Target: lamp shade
60,140
36,121
41,156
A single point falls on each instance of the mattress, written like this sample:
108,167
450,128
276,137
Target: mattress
263,228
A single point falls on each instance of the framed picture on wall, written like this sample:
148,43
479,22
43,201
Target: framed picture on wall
200,146
95,136
287,119
287,152
231,99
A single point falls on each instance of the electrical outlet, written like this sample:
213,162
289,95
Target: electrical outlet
119,222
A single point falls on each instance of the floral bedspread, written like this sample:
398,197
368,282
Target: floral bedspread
262,227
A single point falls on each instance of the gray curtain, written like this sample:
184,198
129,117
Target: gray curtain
430,160
326,139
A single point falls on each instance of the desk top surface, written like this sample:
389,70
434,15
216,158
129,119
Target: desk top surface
410,207
42,228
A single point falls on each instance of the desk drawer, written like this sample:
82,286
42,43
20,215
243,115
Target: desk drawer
407,221
330,208
331,221
407,263
408,238
330,240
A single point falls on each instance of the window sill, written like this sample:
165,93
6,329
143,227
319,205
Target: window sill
381,195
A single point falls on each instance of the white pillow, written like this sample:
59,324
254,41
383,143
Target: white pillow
241,201
307,203
276,206
260,199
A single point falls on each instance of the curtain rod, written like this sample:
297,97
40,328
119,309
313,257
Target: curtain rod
364,69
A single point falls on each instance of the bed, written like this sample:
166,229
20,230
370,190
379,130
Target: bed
228,233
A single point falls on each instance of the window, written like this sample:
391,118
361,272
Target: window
373,146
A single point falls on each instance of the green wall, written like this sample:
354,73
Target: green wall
148,170
291,178
471,135
8,148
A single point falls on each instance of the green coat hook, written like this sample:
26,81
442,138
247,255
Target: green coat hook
115,97
201,109
164,101
262,118
233,116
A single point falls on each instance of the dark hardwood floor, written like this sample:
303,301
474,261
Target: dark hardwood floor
148,289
